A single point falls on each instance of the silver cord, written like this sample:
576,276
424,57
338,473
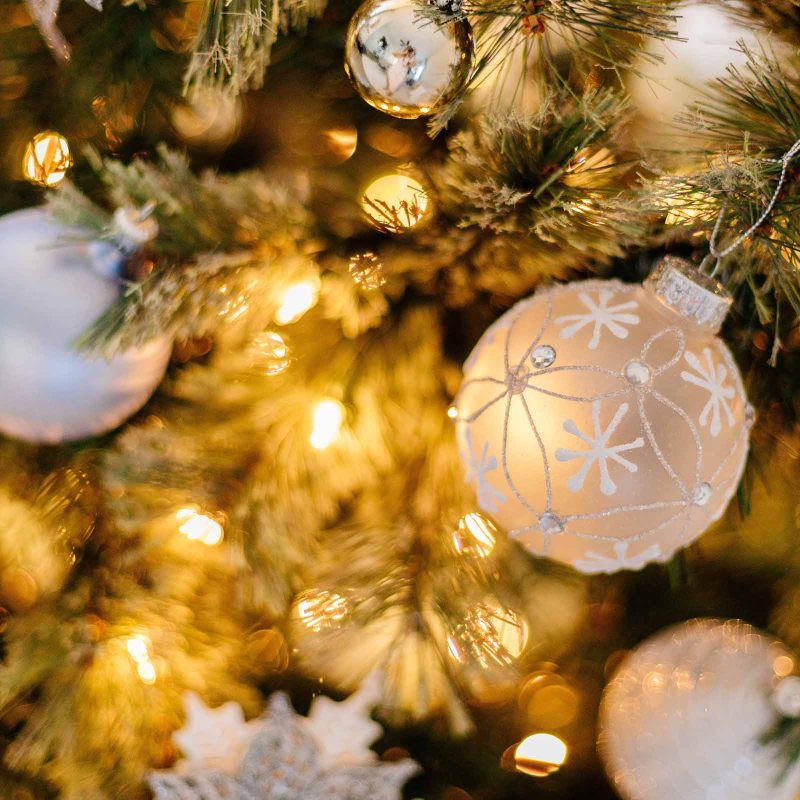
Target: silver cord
714,252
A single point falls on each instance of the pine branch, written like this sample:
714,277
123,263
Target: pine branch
752,117
604,35
234,42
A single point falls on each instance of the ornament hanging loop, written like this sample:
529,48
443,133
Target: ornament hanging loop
714,251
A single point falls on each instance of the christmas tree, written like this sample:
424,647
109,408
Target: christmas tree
386,390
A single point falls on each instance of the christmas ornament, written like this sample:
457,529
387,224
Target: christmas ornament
47,159
50,293
605,424
709,36
283,755
687,713
404,64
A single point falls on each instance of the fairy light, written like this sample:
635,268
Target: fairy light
318,609
197,527
327,421
452,412
475,536
270,353
538,755
296,300
395,202
138,647
47,159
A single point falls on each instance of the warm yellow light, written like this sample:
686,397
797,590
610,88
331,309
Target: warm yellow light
783,665
139,648
475,536
296,300
452,412
341,142
540,755
147,672
327,423
395,202
199,527
318,609
270,353
47,159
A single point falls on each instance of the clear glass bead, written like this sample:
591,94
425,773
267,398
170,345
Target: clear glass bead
543,356
637,373
701,494
550,523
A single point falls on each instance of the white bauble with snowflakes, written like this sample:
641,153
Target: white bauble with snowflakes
404,64
688,713
605,424
52,288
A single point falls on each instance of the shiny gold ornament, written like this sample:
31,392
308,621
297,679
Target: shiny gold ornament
47,159
366,270
404,64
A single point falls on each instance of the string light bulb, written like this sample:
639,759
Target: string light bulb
297,299
197,527
319,609
475,536
395,202
538,755
270,353
138,647
47,159
327,421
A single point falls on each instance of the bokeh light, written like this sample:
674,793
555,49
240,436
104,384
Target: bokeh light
47,159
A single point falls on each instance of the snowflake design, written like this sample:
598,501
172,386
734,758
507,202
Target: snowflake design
600,452
711,377
601,315
595,562
478,468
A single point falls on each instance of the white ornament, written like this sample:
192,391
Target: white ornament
604,424
345,731
685,715
280,756
199,739
404,64
50,293
710,34
787,697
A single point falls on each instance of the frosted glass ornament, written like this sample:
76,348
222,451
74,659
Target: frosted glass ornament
51,290
404,64
684,716
710,34
605,424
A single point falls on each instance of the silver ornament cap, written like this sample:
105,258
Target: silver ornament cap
686,290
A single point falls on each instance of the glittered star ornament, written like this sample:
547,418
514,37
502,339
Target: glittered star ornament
283,762
344,731
214,738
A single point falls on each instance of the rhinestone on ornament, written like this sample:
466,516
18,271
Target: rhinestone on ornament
550,523
543,356
637,373
749,415
701,494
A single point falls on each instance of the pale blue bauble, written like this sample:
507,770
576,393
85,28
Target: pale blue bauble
53,286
